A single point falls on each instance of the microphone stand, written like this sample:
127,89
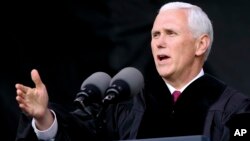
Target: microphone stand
101,122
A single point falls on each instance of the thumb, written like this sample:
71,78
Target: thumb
36,78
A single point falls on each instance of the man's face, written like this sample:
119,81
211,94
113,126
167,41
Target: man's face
172,44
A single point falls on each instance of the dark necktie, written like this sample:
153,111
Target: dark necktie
175,95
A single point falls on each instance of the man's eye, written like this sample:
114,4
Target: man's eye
155,34
170,32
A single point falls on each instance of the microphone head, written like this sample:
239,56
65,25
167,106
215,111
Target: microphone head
100,80
132,77
92,90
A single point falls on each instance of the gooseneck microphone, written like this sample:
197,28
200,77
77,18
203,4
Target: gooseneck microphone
125,84
92,89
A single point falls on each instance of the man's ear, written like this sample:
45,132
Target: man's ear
202,45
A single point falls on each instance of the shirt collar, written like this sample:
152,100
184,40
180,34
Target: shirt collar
172,89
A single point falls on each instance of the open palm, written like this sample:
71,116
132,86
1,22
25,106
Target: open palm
33,101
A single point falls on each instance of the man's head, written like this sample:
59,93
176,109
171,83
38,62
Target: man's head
182,36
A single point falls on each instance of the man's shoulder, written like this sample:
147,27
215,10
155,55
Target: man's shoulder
235,96
212,78
230,112
231,100
238,107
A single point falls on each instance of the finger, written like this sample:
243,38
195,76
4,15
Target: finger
19,99
22,88
36,78
21,103
24,109
20,93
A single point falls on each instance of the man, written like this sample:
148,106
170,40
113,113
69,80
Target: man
182,37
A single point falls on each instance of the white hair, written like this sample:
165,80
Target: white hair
198,21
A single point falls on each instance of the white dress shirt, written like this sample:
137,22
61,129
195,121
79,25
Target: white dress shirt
48,134
172,89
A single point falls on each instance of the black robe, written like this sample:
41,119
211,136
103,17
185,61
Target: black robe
185,117
206,107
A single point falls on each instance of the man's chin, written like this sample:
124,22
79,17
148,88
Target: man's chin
163,73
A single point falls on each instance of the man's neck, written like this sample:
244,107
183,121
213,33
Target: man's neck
172,89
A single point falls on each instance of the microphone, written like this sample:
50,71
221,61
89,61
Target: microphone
125,84
92,89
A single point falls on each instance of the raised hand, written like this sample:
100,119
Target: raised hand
34,101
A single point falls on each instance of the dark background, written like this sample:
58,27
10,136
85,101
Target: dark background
68,40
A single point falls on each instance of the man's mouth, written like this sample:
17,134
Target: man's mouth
162,57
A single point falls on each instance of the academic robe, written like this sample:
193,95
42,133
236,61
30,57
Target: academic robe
206,107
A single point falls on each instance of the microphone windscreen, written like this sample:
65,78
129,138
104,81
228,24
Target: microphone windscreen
99,79
133,77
